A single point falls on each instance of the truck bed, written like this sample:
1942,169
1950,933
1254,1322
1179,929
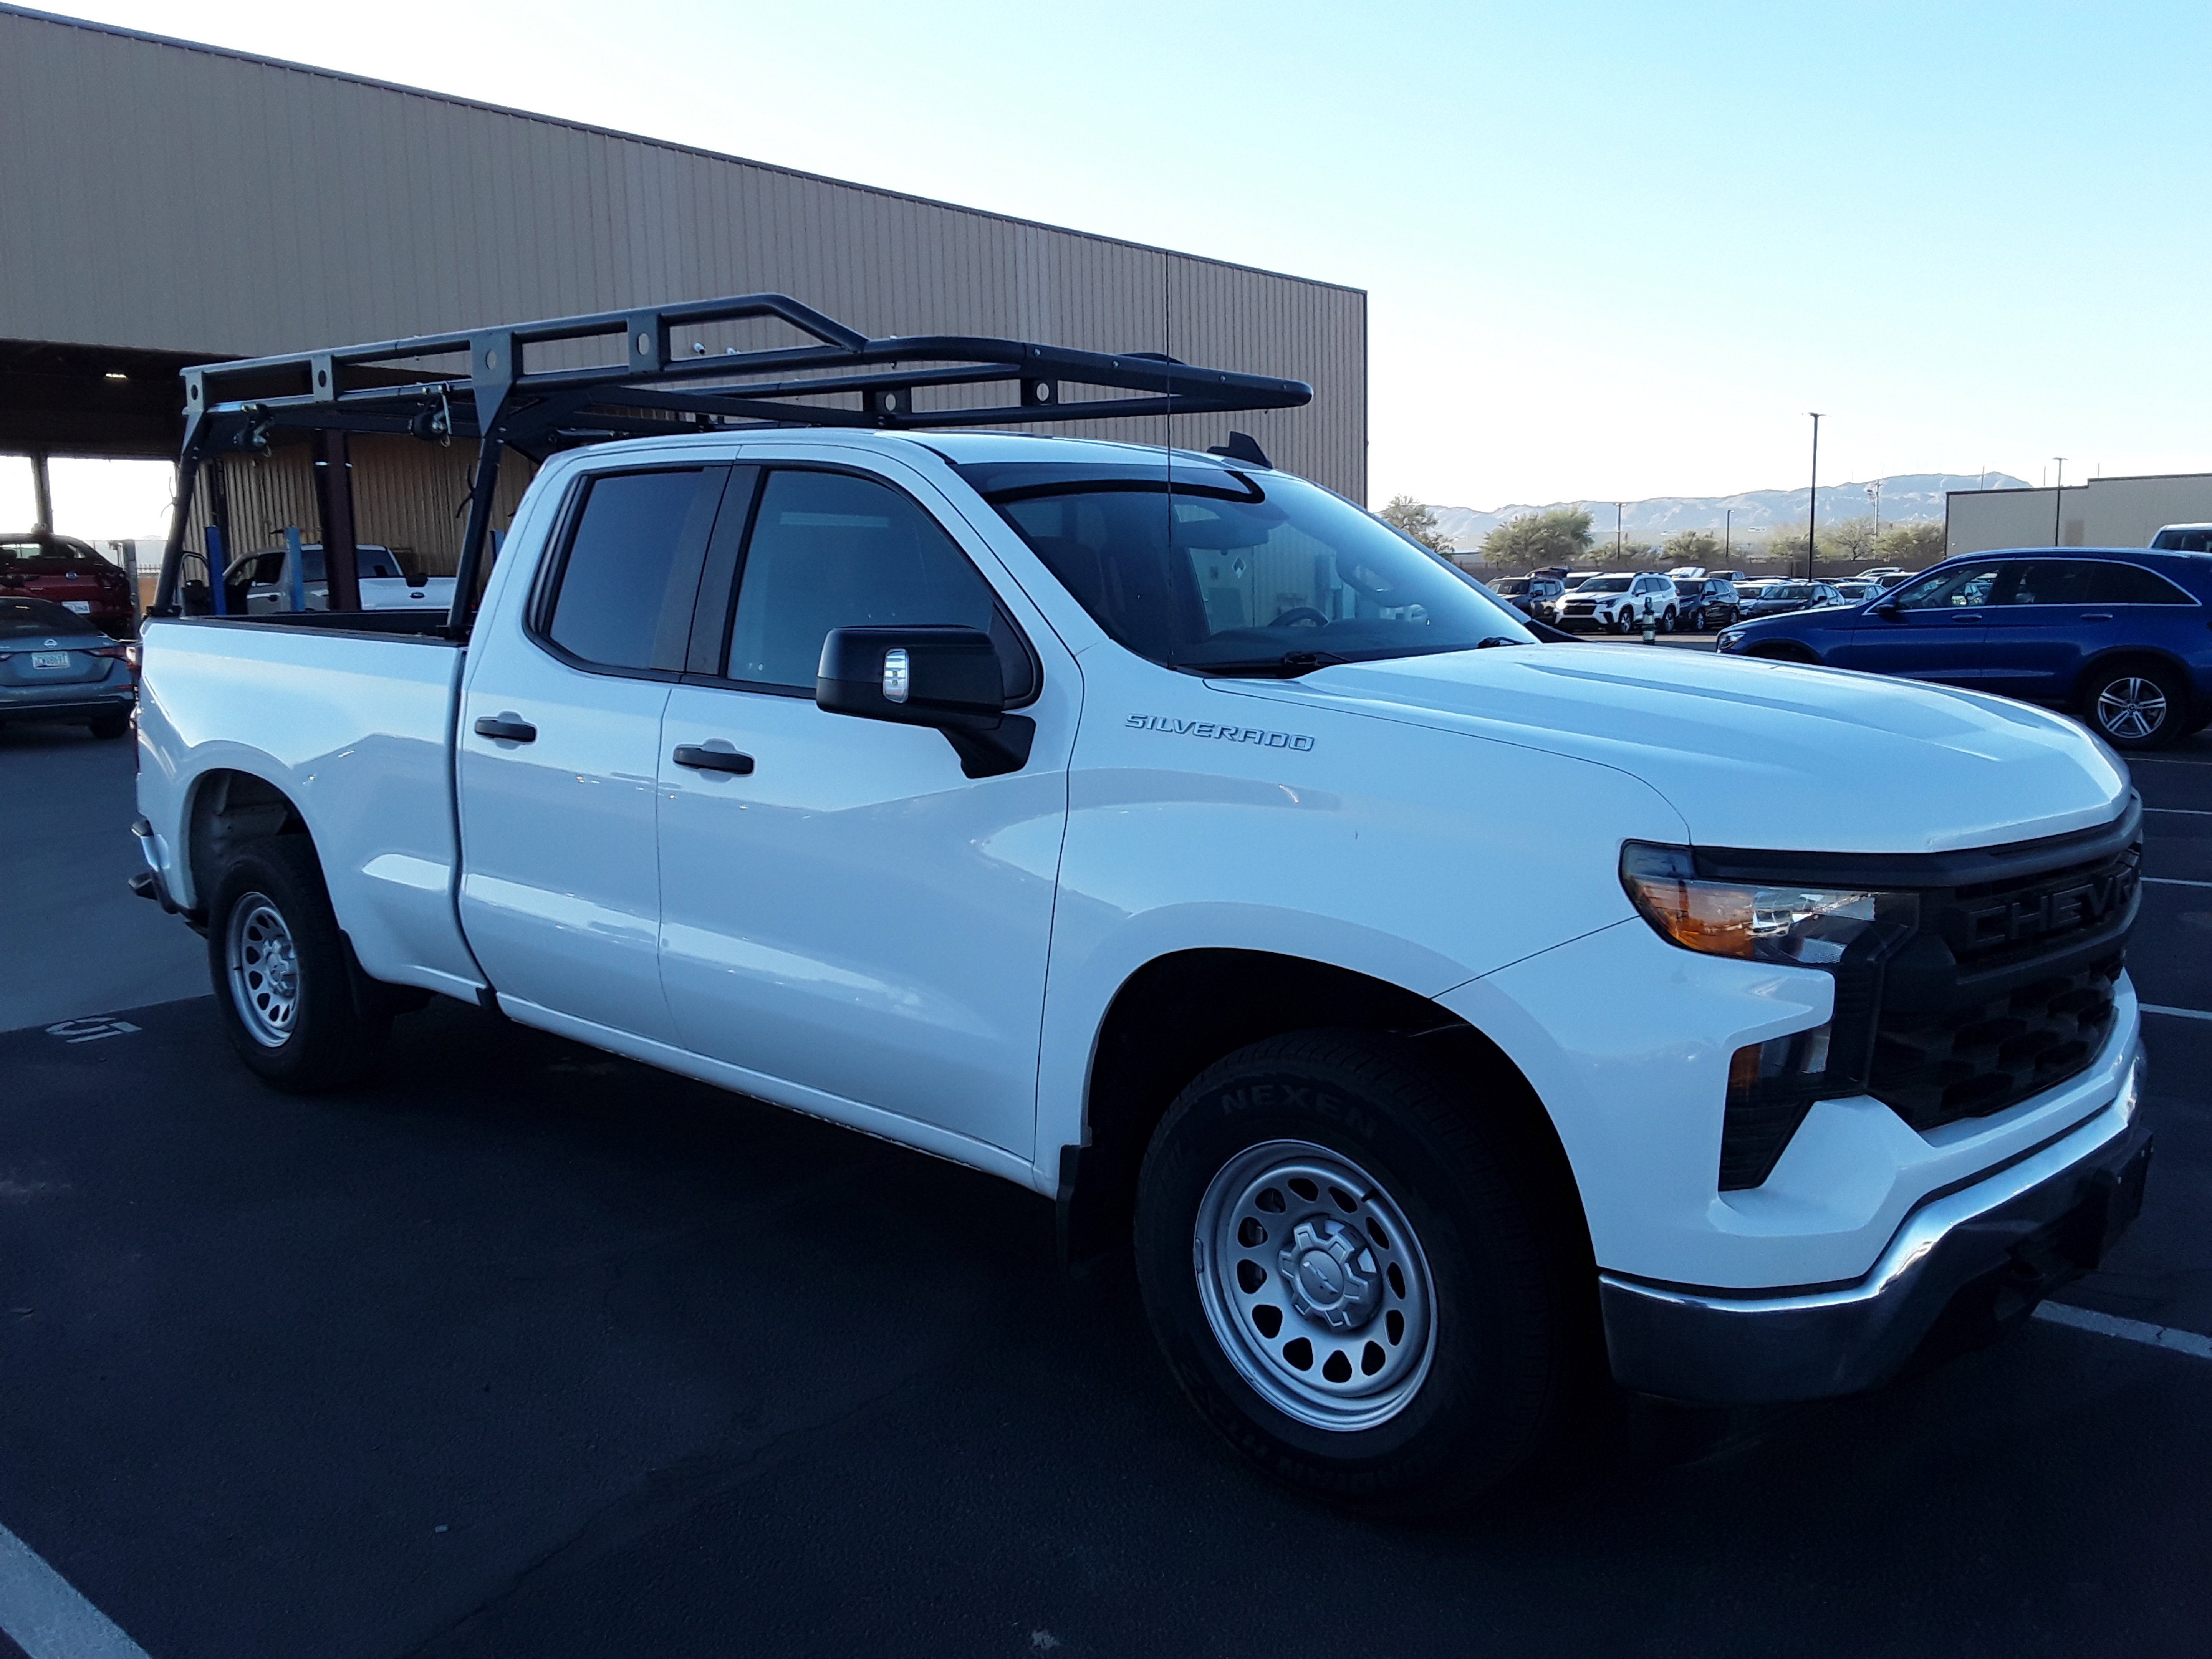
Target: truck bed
355,725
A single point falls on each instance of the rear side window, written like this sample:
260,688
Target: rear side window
2130,584
2046,581
21,618
832,551
631,573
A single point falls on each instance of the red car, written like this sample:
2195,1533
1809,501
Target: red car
42,566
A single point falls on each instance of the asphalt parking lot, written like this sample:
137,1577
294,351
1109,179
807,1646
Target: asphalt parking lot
520,1349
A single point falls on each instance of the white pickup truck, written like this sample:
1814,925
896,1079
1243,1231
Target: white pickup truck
275,579
1444,1017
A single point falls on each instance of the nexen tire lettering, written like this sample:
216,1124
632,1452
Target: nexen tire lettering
1182,728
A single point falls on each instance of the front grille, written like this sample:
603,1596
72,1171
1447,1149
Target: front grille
1933,1069
2006,991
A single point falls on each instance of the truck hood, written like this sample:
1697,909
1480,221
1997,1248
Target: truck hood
1759,754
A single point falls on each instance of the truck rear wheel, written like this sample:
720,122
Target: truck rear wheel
1346,1278
290,999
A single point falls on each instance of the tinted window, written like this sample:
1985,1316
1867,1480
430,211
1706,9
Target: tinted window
2130,584
832,551
1964,586
632,571
1604,585
2044,582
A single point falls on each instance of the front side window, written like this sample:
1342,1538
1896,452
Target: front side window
631,573
1217,571
1966,586
831,551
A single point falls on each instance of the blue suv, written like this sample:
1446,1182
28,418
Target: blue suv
2121,636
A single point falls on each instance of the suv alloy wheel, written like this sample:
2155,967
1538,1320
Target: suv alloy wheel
2135,706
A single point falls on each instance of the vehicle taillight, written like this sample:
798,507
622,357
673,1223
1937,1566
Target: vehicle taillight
125,651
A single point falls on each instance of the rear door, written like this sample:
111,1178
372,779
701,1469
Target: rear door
1931,630
843,911
2038,618
559,741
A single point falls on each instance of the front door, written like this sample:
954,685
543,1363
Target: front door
559,740
841,908
1930,629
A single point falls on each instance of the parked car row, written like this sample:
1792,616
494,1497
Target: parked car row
2116,636
1694,601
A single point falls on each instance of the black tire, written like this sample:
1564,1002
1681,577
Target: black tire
2135,706
318,1021
108,727
1666,621
1622,621
1508,1293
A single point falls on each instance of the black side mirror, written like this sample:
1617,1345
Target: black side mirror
1887,608
947,678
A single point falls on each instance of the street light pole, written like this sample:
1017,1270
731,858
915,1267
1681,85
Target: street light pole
1616,532
1874,495
1812,499
2057,498
1728,533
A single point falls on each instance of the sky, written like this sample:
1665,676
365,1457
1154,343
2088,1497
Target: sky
1610,251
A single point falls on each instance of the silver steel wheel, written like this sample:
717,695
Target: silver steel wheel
1315,1285
2130,709
264,965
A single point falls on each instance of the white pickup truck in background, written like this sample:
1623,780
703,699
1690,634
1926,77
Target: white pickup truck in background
1446,1019
268,582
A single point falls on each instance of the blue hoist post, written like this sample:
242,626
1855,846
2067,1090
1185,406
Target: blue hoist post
296,563
218,558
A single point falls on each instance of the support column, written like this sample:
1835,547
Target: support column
42,494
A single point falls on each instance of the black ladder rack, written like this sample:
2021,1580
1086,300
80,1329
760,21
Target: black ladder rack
501,401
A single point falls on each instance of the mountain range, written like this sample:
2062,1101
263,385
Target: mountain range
1905,497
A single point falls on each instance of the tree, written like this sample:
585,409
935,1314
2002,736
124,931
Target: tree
1561,536
1693,547
1418,521
1786,546
1850,543
1913,546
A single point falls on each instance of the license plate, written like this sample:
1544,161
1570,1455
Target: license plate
83,607
49,660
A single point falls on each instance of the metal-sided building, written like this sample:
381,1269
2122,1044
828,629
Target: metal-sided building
2117,512
166,202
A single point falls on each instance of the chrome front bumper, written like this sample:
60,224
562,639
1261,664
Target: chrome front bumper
1960,1264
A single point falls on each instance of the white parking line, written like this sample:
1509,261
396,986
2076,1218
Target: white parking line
2174,881
2128,1330
2179,811
45,1616
2178,1013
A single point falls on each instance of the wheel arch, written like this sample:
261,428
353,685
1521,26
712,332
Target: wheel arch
226,807
1181,1011
1783,650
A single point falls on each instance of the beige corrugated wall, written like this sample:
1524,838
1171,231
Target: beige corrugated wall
170,197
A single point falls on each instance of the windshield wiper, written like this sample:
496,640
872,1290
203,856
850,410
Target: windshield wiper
1289,666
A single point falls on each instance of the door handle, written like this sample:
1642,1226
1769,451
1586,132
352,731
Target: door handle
2096,615
508,728
703,759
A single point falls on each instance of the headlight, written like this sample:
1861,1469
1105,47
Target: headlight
1806,926
1729,639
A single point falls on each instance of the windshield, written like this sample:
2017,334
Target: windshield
1510,585
1232,572
1604,585
1786,591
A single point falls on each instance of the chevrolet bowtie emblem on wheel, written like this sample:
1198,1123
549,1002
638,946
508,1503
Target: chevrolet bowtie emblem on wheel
1182,728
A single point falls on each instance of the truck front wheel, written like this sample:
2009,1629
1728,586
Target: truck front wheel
1347,1276
288,995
